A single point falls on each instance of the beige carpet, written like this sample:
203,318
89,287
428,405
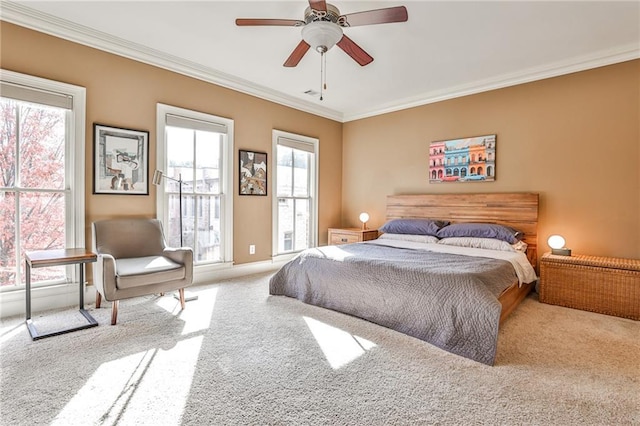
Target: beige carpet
238,356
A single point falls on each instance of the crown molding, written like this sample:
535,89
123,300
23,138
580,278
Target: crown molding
26,17
45,23
571,65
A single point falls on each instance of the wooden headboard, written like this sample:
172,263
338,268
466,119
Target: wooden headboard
515,209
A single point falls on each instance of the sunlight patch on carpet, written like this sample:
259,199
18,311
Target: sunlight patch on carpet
197,314
169,304
149,387
338,346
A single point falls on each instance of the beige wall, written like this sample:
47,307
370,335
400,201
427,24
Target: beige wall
124,93
573,139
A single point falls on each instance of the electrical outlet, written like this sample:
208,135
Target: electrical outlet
252,249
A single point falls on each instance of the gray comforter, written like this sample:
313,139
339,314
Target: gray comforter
447,300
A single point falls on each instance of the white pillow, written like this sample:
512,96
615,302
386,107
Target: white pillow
482,243
409,237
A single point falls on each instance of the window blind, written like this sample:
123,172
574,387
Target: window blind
299,145
36,96
191,123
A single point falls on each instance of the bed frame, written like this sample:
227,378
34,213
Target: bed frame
515,209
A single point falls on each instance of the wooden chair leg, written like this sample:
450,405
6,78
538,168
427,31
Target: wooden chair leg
98,299
114,312
181,291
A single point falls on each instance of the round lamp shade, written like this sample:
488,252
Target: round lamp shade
556,242
364,217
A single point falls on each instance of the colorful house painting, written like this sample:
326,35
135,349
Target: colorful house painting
463,160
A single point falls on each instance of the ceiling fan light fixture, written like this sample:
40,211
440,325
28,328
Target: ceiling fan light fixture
321,35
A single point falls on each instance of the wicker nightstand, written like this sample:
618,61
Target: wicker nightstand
600,284
351,235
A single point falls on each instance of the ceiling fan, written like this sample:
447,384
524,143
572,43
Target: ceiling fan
322,29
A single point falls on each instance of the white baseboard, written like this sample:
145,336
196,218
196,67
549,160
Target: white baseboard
43,298
67,295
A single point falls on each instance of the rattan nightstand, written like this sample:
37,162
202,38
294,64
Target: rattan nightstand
599,284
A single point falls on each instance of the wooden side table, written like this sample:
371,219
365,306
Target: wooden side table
339,236
43,258
605,285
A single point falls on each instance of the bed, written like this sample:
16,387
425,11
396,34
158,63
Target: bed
452,297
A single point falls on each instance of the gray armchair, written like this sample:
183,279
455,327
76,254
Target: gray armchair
133,260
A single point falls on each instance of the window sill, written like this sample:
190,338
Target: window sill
283,258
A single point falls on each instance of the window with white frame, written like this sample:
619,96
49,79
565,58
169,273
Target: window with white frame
195,201
41,174
295,206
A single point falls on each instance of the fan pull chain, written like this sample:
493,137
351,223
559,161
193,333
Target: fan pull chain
323,83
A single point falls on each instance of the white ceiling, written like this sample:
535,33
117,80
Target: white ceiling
444,50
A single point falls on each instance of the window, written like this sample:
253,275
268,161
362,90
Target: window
295,208
288,241
195,200
41,174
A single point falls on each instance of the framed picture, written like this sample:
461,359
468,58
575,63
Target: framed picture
120,161
463,160
253,173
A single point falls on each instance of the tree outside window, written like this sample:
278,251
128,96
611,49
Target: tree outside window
32,188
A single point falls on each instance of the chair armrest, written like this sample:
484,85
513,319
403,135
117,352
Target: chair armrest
181,255
184,256
104,275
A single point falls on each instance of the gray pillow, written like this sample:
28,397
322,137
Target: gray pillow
481,230
413,226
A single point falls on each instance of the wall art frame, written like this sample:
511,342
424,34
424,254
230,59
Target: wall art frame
252,173
120,160
463,160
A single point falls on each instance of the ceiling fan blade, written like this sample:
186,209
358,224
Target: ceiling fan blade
297,54
273,22
378,16
318,5
355,51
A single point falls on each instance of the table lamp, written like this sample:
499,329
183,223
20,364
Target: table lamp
364,218
556,242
